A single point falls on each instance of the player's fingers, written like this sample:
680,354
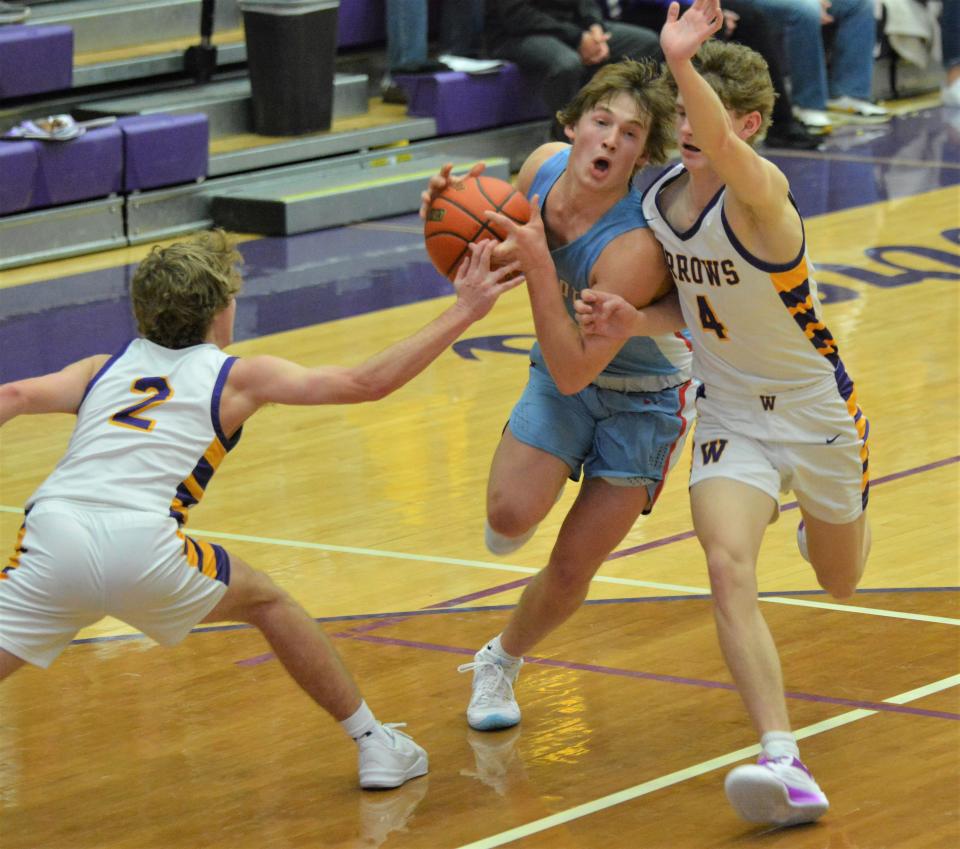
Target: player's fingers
588,296
535,209
673,12
508,225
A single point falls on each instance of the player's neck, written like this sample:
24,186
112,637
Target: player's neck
701,187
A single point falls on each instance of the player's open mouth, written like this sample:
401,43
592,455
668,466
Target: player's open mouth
602,165
691,148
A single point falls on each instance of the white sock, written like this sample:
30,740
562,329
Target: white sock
501,655
779,744
361,723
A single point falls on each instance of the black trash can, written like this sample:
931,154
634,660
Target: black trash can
291,46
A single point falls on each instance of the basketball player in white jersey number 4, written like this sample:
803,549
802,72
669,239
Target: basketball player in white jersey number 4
777,410
104,533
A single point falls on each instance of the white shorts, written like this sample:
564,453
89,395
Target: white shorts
823,459
75,564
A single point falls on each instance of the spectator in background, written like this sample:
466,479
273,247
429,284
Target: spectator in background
562,43
750,26
847,86
461,28
950,29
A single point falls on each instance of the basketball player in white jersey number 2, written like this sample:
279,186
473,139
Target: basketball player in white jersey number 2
104,533
777,410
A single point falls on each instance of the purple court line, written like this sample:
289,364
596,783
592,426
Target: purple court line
382,623
792,505
883,707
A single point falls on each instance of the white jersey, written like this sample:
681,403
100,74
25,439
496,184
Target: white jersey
148,433
756,326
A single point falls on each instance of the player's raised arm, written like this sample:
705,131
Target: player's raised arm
721,136
262,380
58,392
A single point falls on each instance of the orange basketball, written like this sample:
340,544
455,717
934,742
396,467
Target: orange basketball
455,218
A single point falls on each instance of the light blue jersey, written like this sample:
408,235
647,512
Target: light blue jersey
628,426
643,364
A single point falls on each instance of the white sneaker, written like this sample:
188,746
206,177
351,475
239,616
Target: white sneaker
813,119
856,106
492,703
802,541
781,792
388,758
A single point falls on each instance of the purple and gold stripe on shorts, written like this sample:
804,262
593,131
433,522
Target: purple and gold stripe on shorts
14,560
207,558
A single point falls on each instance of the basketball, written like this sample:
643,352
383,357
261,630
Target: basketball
455,219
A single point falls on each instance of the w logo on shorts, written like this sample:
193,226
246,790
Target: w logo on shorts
767,401
712,450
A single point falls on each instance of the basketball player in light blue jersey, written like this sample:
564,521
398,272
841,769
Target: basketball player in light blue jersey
104,535
614,414
776,410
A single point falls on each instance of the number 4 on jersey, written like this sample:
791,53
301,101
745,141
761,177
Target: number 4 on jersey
709,319
159,390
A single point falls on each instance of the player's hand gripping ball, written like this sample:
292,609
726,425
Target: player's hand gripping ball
455,218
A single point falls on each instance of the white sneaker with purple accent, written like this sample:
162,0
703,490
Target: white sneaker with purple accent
781,792
802,541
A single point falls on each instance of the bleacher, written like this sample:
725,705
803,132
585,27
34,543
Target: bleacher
183,153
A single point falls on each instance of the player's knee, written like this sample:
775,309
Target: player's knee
506,519
732,581
260,598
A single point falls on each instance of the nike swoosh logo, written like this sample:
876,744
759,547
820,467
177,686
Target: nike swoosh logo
830,441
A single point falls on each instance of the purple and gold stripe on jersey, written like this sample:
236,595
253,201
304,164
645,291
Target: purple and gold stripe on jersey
793,287
14,560
190,491
207,558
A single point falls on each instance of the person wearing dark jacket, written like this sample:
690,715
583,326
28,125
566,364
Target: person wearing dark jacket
561,43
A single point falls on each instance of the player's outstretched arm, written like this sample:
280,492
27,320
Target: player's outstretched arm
263,380
58,392
607,314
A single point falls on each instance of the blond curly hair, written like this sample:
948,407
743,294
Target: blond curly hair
177,290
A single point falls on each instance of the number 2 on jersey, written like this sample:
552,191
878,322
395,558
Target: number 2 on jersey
159,390
709,319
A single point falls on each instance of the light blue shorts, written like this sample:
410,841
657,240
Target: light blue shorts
626,438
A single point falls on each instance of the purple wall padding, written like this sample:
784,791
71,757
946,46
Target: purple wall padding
461,103
18,169
35,59
361,22
164,150
81,169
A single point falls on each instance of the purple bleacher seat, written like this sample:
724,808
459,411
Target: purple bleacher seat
35,59
461,103
361,22
164,150
87,167
18,169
